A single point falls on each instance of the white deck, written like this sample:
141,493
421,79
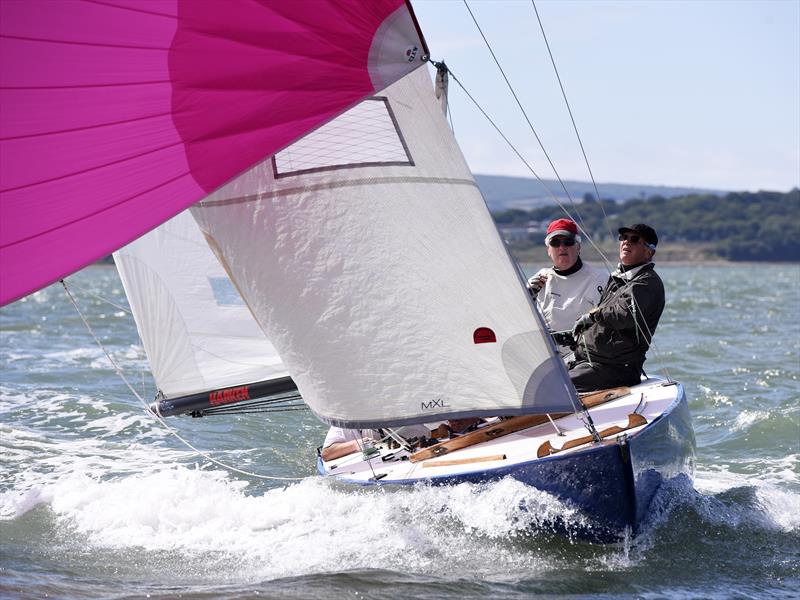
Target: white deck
649,399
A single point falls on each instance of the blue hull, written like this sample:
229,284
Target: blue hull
613,483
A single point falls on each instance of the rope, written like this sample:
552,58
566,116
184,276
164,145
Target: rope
158,417
649,337
364,458
572,118
88,292
609,265
522,109
634,303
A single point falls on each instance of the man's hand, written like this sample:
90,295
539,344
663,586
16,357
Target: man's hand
583,322
536,283
563,338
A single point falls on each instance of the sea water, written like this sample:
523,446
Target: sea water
100,500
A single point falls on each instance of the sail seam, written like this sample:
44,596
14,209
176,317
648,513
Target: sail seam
24,38
133,9
85,128
75,86
337,184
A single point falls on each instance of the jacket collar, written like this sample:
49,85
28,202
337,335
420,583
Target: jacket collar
573,269
629,273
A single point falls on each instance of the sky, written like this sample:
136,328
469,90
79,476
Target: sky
664,92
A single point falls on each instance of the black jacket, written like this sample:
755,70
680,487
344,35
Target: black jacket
614,337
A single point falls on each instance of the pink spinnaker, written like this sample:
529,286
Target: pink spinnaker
115,116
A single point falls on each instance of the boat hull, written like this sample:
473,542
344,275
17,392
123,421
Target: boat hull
612,483
663,451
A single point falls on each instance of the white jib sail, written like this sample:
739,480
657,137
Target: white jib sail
197,332
370,259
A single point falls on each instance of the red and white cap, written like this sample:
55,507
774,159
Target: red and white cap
563,227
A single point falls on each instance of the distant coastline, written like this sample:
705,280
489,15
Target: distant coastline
736,227
668,252
677,254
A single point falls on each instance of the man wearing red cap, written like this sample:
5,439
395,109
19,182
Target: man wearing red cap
569,288
613,338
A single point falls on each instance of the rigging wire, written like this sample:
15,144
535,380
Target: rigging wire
572,118
524,161
158,417
578,409
522,109
443,71
253,409
609,265
510,144
635,306
89,292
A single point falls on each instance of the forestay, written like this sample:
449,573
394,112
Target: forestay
198,333
371,261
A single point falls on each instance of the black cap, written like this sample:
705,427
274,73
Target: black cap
647,233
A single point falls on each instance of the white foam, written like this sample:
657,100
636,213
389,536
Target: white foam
717,398
45,461
11,357
11,399
308,527
75,355
14,503
777,488
747,418
782,506
117,423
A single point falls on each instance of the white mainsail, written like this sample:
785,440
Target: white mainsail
197,332
369,257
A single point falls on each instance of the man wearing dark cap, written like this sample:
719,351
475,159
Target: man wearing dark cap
612,338
569,288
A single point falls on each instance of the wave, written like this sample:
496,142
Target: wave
313,526
317,526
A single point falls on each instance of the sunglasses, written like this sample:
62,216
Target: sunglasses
555,243
633,239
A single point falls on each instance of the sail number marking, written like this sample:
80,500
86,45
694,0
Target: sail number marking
435,403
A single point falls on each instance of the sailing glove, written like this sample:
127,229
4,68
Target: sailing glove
583,323
535,284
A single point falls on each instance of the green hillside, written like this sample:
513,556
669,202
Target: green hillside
760,226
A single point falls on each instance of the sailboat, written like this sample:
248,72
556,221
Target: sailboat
437,349
359,263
